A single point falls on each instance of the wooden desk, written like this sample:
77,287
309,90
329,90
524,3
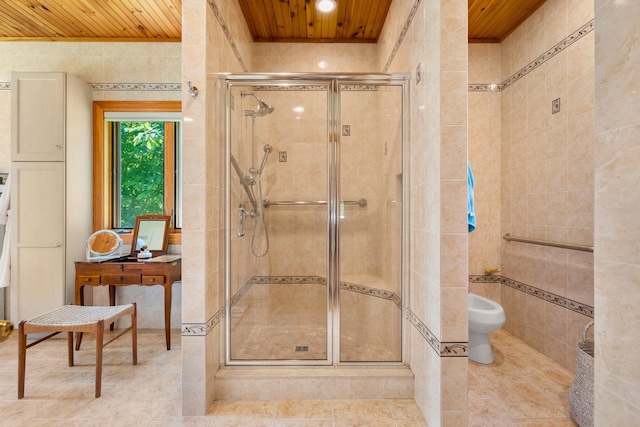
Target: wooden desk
164,270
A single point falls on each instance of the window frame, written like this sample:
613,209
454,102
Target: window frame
102,161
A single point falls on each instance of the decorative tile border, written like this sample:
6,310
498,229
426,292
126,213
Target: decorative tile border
444,349
202,329
137,86
484,87
559,47
572,305
401,36
378,293
227,33
287,280
454,349
322,88
485,279
567,303
574,37
314,280
163,87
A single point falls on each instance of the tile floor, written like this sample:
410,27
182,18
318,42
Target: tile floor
522,388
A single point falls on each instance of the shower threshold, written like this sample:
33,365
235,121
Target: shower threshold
341,382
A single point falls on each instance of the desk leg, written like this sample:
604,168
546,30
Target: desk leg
79,301
79,294
112,302
22,358
167,313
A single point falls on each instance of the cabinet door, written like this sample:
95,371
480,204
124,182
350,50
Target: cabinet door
41,284
38,119
37,233
37,203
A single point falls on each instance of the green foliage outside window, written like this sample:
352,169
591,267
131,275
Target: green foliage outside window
141,170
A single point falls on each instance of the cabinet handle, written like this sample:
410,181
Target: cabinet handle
58,147
152,279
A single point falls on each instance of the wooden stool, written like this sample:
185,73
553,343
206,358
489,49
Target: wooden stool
76,318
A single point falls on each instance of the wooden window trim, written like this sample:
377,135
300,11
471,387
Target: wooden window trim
102,163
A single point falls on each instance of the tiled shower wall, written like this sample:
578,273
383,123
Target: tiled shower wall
617,263
546,173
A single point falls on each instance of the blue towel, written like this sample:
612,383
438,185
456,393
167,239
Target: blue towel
471,214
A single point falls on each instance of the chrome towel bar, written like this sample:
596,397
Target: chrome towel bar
362,203
508,237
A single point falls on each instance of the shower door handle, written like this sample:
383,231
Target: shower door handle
241,215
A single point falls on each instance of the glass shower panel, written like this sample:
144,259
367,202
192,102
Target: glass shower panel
370,237
278,246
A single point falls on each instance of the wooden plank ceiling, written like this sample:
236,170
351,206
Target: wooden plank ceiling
354,21
491,21
73,20
298,20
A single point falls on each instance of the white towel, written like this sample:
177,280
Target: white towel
5,257
5,198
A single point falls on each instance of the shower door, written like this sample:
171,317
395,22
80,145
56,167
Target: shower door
314,220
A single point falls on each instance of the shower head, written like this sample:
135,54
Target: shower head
263,107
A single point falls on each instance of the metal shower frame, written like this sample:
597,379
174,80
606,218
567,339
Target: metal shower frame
332,82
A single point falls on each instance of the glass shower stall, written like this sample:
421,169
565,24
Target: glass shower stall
316,219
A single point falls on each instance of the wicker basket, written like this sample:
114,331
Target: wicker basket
581,391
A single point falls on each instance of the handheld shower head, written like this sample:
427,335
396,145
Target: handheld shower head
263,107
267,149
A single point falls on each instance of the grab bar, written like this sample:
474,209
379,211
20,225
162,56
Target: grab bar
508,237
362,203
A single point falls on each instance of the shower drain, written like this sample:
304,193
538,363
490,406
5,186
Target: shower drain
302,348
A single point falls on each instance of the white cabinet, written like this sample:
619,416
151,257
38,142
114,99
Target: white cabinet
39,235
38,122
51,197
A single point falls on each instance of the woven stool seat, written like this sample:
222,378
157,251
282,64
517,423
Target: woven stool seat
78,315
76,319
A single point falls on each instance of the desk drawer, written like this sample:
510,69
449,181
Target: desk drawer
89,280
114,279
152,280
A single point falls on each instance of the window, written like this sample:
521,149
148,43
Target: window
137,150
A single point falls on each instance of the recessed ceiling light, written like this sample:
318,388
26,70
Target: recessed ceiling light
325,5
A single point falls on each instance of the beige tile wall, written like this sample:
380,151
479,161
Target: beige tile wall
547,177
206,51
484,157
440,193
436,42
617,177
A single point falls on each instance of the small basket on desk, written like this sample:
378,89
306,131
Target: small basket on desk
581,391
